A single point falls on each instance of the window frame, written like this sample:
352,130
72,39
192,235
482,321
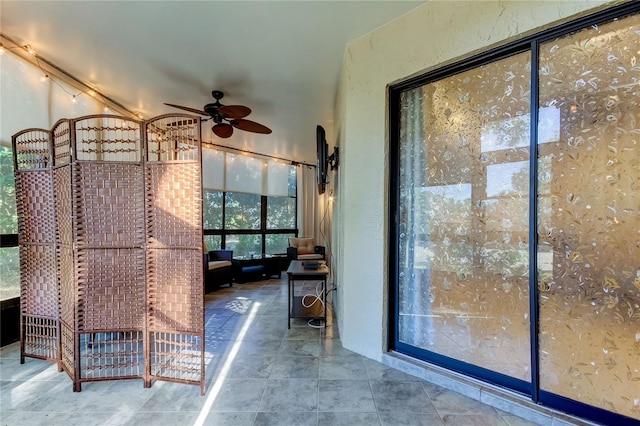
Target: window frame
263,231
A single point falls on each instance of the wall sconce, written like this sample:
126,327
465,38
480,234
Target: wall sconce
334,159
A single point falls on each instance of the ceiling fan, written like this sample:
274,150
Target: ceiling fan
226,117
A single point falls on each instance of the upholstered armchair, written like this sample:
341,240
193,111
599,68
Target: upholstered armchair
304,248
218,269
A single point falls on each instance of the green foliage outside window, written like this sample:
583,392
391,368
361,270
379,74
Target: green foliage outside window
244,245
8,215
293,182
277,243
281,213
9,273
242,211
9,257
212,209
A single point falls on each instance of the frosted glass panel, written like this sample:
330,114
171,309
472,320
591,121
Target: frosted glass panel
589,218
463,217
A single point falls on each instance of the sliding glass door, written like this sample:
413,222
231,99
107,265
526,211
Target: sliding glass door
464,173
516,216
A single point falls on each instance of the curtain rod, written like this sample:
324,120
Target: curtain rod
293,163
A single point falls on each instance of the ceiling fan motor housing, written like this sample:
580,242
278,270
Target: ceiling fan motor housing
212,110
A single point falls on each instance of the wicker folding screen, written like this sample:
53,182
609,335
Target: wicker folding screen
128,293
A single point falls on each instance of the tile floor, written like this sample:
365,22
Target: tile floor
258,372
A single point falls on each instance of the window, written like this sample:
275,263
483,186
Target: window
252,223
249,203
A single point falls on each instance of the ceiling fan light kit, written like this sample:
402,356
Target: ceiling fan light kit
226,117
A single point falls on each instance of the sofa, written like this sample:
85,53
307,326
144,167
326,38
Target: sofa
218,269
304,248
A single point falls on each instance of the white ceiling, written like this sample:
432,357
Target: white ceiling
280,58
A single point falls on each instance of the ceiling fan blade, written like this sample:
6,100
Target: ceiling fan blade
222,130
234,111
250,126
193,110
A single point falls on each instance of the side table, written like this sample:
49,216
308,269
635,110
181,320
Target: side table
297,272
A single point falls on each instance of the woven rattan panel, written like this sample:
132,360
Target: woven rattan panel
63,205
111,289
39,301
34,196
175,290
67,281
174,206
68,352
39,289
62,143
109,209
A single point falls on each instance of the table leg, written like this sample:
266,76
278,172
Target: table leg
324,301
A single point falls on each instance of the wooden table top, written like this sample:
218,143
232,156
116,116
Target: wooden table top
296,268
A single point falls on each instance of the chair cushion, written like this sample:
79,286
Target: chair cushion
309,256
304,245
217,264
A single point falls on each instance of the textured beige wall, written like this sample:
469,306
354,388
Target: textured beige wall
435,33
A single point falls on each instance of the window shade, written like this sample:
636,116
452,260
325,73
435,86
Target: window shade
225,171
244,174
278,178
213,169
